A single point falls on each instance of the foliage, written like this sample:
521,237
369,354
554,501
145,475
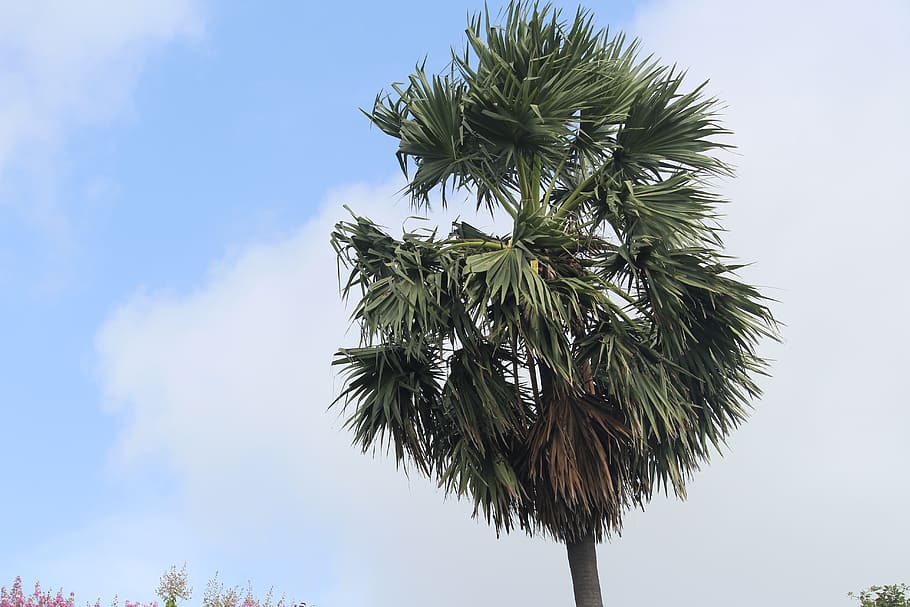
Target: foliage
893,595
561,373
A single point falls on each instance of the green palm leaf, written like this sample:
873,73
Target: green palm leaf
603,349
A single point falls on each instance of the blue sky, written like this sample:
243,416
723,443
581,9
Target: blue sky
169,172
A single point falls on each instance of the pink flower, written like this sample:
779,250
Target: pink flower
16,598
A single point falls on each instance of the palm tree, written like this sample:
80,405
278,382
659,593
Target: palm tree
560,374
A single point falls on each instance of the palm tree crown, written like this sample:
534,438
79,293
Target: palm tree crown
561,373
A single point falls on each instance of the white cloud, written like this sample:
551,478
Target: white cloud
65,63
805,506
230,383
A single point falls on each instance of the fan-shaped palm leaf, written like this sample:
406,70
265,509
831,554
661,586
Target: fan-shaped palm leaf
604,348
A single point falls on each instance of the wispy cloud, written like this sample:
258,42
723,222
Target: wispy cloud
68,63
63,66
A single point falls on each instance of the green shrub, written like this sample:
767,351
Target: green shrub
893,595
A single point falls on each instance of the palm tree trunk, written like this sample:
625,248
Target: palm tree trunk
583,566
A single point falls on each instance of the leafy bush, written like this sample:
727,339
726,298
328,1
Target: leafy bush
893,595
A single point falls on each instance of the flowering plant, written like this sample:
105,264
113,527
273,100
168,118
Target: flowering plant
217,596
173,586
15,597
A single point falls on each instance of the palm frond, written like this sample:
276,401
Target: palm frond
604,348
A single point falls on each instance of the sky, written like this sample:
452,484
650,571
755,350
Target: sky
169,173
